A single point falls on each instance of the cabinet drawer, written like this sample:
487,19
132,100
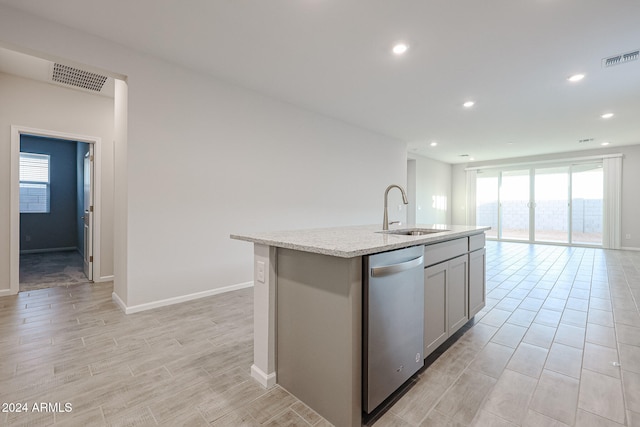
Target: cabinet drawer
439,252
476,242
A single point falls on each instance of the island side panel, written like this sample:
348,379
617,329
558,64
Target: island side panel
264,315
319,333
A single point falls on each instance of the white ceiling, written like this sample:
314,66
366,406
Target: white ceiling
333,56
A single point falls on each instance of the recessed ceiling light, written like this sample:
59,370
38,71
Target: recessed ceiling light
471,158
607,115
433,144
604,143
400,48
468,104
576,77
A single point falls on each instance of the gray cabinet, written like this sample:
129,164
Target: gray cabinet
477,283
435,312
445,301
458,297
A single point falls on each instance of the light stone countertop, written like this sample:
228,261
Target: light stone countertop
349,242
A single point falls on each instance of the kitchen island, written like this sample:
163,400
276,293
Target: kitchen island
308,304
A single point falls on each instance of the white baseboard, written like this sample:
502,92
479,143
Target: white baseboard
104,279
5,292
266,380
118,302
177,300
625,248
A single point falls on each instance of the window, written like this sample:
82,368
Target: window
34,183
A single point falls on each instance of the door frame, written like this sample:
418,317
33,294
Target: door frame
14,204
87,213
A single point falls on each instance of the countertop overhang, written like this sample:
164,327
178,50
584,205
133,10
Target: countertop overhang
355,241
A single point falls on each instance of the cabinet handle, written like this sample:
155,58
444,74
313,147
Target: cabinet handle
396,268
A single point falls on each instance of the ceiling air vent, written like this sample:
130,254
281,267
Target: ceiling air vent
582,141
621,59
77,77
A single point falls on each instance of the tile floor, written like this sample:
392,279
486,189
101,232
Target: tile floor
50,269
558,344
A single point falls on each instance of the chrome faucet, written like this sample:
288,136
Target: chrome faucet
385,220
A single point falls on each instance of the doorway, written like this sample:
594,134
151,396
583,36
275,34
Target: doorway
81,243
55,212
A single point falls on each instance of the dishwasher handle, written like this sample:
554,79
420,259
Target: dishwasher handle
396,268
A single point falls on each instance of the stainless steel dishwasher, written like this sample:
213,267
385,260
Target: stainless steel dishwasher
393,322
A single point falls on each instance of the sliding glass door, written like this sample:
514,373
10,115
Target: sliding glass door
586,200
551,205
487,186
559,204
515,205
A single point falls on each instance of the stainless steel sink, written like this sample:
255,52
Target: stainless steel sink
414,231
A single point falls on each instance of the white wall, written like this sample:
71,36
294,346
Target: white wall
204,159
120,196
432,191
630,180
213,160
28,103
458,194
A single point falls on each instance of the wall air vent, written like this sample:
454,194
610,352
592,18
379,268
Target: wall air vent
78,78
621,59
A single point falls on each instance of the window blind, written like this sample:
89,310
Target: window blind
34,167
34,183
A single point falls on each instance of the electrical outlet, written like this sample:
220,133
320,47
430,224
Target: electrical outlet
628,236
260,270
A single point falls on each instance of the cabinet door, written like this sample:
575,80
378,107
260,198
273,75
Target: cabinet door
477,285
435,313
457,293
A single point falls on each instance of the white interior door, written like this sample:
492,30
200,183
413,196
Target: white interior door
88,213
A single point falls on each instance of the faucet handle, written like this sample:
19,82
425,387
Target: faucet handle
395,222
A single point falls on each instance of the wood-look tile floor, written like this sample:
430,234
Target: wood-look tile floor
187,364
558,344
